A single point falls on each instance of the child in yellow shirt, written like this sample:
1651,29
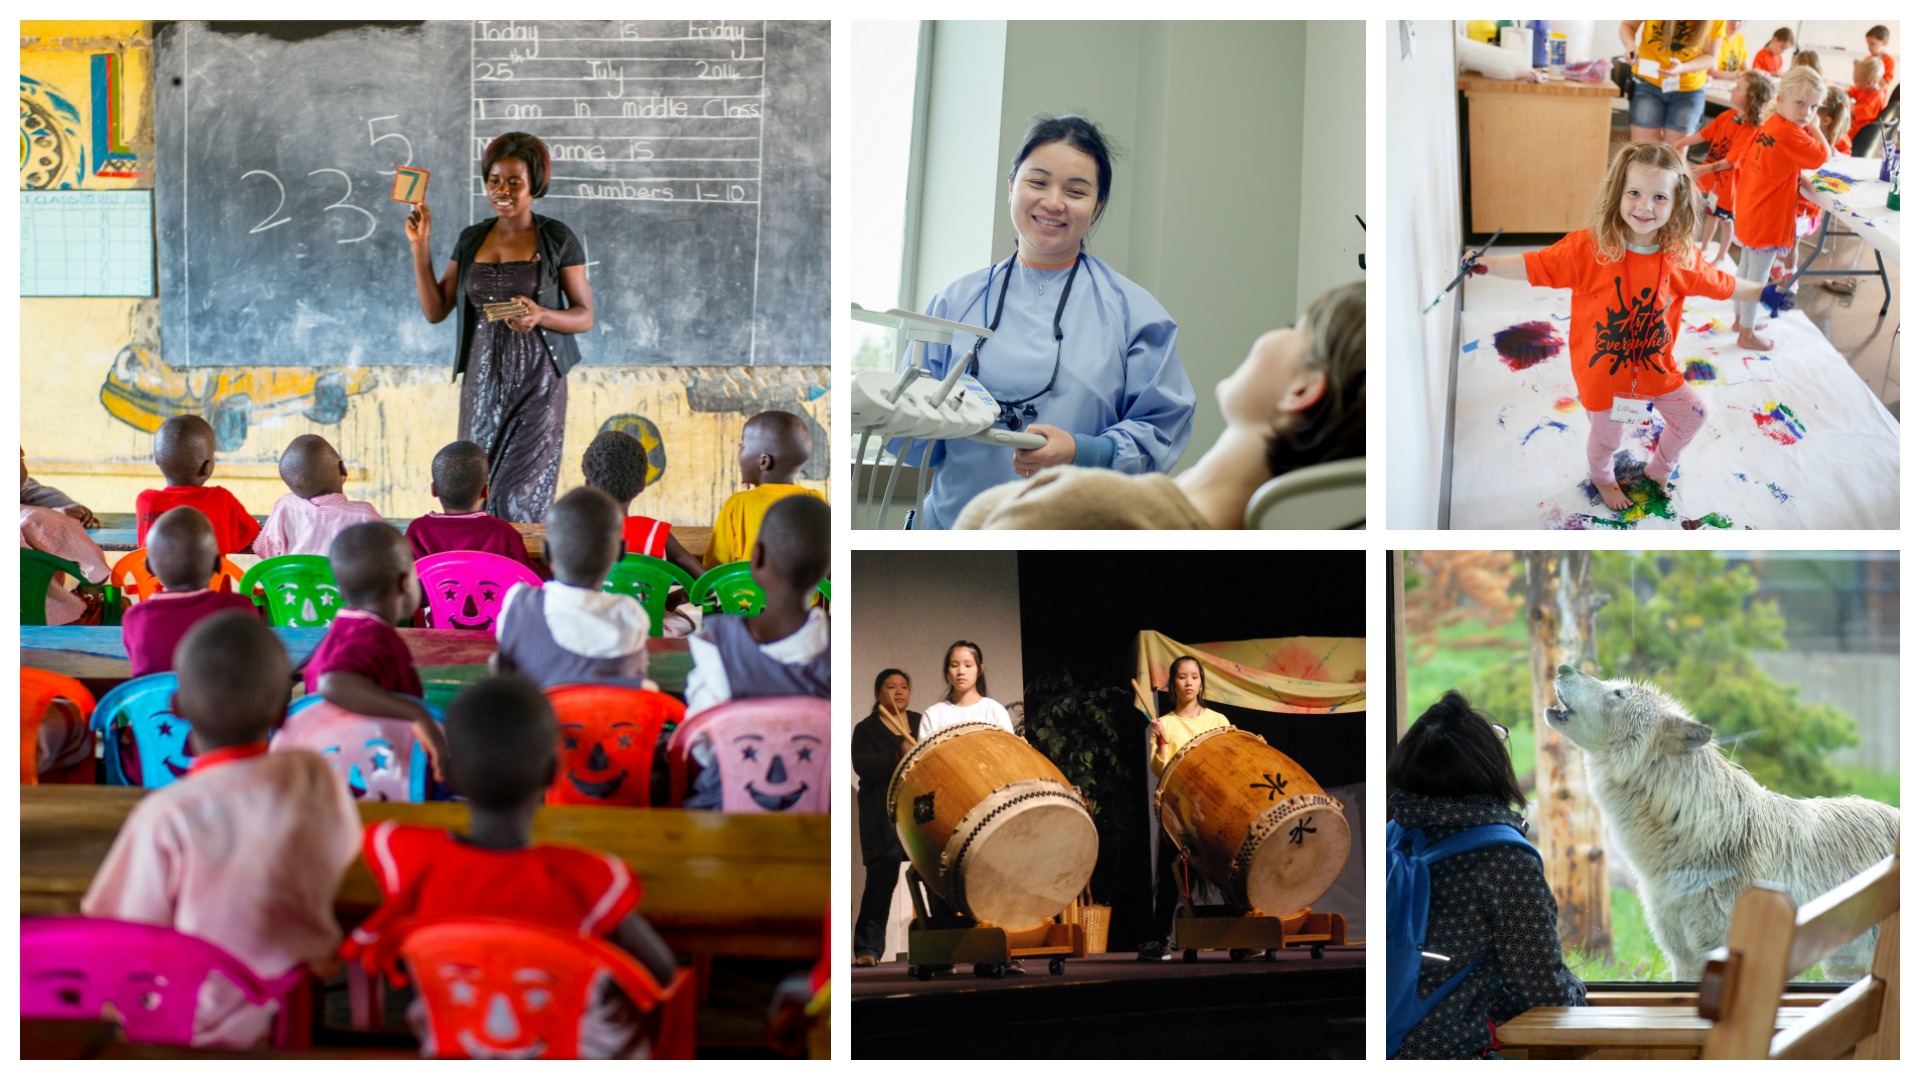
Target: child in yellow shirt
773,447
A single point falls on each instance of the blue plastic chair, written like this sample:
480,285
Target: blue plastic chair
144,706
346,760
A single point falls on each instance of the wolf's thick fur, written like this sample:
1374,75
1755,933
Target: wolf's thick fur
1698,830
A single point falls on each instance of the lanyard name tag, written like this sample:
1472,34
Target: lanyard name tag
1628,409
1670,84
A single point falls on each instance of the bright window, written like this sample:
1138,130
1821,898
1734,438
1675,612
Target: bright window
886,62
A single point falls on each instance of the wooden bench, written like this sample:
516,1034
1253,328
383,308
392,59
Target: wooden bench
1611,1031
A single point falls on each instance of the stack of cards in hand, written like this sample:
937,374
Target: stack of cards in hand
506,309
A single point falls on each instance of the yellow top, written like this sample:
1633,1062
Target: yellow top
1654,35
739,521
1733,53
1177,731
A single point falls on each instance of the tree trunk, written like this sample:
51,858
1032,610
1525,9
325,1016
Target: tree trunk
1561,605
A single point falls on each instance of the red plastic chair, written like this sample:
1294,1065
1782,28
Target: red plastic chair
72,967
772,754
130,576
607,740
503,988
464,588
39,691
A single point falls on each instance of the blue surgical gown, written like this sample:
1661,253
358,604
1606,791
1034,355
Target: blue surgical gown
1122,392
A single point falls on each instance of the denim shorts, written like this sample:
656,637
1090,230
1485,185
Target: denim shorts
1677,111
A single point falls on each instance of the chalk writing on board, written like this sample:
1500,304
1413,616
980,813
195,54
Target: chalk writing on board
86,243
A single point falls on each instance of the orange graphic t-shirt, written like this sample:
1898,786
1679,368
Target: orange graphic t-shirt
1770,182
1867,104
1626,315
1726,138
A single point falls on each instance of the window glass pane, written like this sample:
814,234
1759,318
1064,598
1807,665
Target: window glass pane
886,59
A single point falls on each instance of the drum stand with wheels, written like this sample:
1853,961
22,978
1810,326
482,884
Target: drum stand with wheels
1224,927
938,940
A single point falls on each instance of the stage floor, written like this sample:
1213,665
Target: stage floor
1113,1005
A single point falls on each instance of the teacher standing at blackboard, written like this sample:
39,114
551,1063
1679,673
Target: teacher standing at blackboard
514,399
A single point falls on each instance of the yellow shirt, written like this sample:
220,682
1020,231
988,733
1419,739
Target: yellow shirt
1733,53
1653,46
739,521
1176,731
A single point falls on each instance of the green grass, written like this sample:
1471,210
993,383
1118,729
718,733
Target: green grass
1635,957
1878,786
1451,667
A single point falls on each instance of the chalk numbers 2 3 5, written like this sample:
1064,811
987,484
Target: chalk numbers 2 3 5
273,218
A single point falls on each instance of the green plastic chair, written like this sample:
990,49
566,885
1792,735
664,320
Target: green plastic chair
647,580
728,589
296,590
37,569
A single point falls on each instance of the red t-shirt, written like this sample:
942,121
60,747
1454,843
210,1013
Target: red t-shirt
1769,61
1726,137
362,643
152,628
646,536
478,531
1867,103
233,527
1626,315
1770,182
427,873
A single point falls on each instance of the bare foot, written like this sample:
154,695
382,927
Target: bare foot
1751,339
1611,494
1662,481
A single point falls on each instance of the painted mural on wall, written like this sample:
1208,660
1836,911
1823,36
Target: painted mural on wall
52,156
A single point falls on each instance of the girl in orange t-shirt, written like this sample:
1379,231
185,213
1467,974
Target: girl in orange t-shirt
1772,57
1726,136
1788,141
1630,270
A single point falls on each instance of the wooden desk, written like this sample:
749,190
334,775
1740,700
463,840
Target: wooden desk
117,533
1645,1031
69,1040
1536,153
727,884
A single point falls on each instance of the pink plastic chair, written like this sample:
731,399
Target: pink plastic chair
73,967
379,759
464,588
772,754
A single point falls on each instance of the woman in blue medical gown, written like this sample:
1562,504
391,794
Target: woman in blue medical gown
1098,375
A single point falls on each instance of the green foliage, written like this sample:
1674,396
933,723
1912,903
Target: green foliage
1492,676
1692,632
1082,729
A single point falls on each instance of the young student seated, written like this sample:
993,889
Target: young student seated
616,463
314,510
61,535
1298,399
246,850
773,446
183,449
778,653
362,665
183,554
502,755
462,522
568,630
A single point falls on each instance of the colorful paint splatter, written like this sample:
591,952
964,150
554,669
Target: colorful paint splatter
1774,490
1778,423
1832,182
1555,424
1646,499
1707,521
1525,344
1699,371
1566,405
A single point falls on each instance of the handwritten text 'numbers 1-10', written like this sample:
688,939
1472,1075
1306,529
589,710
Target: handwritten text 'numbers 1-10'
272,220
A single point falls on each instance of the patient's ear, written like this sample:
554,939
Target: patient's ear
1684,734
1307,390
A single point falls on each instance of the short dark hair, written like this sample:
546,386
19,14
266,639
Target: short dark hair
1081,134
459,472
366,559
880,680
979,661
1879,33
502,742
524,148
797,533
181,446
583,536
1174,668
234,677
1453,752
1335,427
616,463
1782,34
182,550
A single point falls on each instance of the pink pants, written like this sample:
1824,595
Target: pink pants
1681,410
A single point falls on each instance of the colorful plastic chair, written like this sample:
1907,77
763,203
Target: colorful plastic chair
607,740
648,580
38,692
72,967
135,583
772,754
508,989
464,588
37,569
729,589
379,758
144,706
296,590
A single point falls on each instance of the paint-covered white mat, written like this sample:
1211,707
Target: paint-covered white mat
1793,438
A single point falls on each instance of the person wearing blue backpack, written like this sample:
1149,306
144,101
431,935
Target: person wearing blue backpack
1471,939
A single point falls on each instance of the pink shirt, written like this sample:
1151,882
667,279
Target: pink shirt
248,855
62,537
300,526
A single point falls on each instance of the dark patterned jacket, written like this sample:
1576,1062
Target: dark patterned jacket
1494,903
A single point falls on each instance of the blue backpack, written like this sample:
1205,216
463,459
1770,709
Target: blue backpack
1409,858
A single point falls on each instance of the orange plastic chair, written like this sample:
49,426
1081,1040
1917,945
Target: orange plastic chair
607,740
509,989
135,583
38,691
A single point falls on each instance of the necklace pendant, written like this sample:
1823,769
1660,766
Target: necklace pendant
1043,288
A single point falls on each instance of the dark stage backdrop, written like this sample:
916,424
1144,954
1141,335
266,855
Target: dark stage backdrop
1080,611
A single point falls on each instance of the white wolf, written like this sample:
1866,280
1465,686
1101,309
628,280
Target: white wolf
1698,830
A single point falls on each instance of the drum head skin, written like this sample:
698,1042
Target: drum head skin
1024,865
1299,859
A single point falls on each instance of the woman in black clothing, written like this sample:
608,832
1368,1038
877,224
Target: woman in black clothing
1451,771
879,742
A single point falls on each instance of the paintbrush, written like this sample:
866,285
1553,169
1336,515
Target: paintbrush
1466,267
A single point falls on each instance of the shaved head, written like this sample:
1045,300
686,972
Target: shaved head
182,550
183,449
459,476
794,541
583,537
369,560
311,467
502,742
234,679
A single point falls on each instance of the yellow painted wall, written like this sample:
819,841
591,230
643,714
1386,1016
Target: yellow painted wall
68,349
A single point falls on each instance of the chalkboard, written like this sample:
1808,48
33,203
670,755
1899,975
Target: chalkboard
689,157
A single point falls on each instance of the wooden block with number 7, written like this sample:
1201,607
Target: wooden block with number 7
410,184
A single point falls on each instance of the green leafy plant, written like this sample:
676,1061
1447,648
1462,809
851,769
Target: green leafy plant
1093,734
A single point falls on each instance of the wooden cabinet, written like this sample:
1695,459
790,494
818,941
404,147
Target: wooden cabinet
1536,153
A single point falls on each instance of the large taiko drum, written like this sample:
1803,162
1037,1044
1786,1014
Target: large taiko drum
1252,821
992,825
